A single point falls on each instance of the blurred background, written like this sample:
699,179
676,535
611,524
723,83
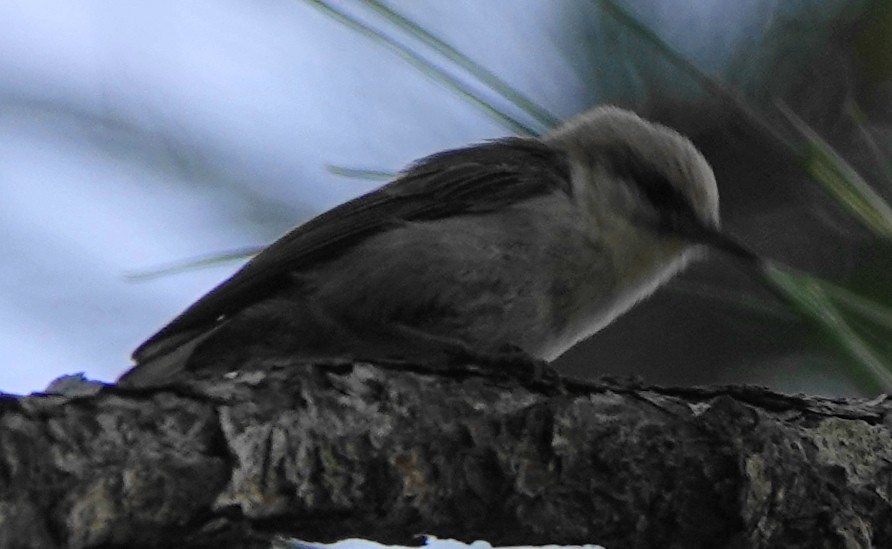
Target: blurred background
135,135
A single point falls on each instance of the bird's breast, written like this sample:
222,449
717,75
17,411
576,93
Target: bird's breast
614,268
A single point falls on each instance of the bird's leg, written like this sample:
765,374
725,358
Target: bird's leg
514,359
508,359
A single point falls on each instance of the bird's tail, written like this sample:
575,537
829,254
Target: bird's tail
157,364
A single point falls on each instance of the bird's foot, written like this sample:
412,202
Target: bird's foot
514,362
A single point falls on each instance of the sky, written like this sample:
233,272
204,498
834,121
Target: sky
136,134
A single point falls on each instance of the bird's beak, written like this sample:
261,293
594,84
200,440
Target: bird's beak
699,233
718,240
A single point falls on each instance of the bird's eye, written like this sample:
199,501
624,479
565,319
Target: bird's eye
654,188
660,193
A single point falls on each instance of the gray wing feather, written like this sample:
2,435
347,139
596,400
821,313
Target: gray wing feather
471,180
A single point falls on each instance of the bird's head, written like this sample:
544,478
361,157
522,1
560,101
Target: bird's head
657,176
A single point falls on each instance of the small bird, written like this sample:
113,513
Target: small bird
530,244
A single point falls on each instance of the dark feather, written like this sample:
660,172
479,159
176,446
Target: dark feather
476,179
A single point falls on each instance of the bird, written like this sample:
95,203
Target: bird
524,243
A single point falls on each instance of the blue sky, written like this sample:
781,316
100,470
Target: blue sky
138,133
134,134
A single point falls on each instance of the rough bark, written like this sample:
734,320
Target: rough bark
324,452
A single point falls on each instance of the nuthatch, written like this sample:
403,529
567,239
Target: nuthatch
525,243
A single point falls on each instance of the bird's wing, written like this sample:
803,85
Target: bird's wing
472,180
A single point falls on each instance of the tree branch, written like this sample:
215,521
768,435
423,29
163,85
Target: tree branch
325,452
